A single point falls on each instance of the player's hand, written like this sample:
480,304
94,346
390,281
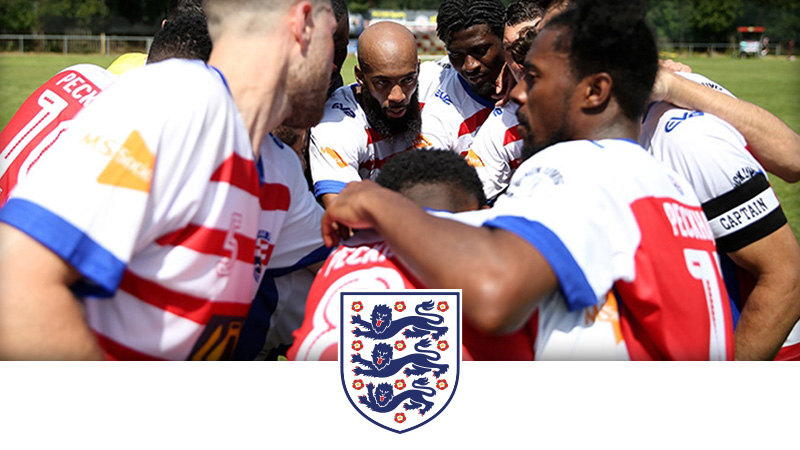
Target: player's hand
348,212
664,79
503,86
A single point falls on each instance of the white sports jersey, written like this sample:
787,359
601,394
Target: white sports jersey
731,185
497,150
43,118
290,239
611,221
160,215
451,113
345,148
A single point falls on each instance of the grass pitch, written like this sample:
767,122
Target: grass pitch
773,83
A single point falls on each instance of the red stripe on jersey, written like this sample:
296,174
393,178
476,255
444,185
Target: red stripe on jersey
274,197
196,309
373,136
239,172
512,135
789,353
472,124
209,241
114,351
377,164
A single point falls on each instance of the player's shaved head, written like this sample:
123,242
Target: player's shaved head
386,44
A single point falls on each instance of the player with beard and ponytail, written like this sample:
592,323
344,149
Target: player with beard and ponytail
612,257
368,122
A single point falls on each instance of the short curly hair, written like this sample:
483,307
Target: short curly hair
611,36
414,167
457,15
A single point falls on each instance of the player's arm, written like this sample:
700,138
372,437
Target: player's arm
772,142
40,319
773,306
501,275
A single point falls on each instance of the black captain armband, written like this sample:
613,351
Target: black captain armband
744,215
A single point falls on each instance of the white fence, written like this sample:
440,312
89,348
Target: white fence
74,43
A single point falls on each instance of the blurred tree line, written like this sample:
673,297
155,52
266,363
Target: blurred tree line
674,20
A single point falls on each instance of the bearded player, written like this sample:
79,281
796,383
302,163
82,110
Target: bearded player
369,122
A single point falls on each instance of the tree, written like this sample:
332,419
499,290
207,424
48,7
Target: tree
715,20
17,16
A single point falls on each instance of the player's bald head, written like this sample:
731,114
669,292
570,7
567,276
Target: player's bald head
386,44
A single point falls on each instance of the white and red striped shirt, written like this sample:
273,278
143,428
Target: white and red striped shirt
44,117
344,147
634,256
452,113
497,150
154,197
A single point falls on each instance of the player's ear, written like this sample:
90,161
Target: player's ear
597,90
301,23
359,74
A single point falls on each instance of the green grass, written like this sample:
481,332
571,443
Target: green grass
20,75
773,83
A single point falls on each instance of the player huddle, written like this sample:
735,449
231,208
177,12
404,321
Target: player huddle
589,202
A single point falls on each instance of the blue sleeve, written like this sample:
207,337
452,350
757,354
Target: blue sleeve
102,270
571,279
328,187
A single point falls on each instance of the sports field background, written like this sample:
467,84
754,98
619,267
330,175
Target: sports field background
769,82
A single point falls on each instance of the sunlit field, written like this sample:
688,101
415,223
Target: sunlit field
773,83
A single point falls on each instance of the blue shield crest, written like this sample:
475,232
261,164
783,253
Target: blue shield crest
400,354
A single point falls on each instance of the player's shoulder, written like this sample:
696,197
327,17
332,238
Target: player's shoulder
343,116
99,76
188,86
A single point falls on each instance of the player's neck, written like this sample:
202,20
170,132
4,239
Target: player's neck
257,88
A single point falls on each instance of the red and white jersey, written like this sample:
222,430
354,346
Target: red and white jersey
364,263
160,216
344,147
452,113
611,220
44,117
732,186
289,239
497,150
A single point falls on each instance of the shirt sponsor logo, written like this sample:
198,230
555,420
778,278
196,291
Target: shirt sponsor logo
131,167
443,96
336,157
344,109
675,121
473,159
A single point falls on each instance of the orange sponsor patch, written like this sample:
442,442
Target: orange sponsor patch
332,153
131,167
473,159
421,142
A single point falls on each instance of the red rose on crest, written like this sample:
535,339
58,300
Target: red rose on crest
358,384
399,417
443,345
442,306
357,306
441,384
400,384
400,306
357,345
400,345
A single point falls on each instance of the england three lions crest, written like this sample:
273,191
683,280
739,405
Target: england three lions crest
400,354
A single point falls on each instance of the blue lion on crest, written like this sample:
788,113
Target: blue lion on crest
382,398
384,365
381,326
